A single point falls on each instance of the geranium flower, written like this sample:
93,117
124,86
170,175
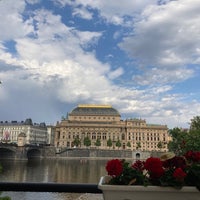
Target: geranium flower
154,167
170,170
138,165
114,167
175,162
193,156
179,174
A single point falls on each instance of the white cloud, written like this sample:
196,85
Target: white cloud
12,24
170,31
165,75
166,37
112,12
53,40
116,73
82,13
52,67
87,38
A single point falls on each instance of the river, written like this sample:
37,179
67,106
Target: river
53,170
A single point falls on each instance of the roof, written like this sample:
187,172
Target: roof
92,109
22,123
22,134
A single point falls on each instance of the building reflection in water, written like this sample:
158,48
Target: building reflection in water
55,170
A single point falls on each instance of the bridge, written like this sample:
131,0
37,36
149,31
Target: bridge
8,151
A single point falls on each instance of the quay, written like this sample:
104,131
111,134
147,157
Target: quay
48,152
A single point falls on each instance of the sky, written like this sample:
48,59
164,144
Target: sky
140,56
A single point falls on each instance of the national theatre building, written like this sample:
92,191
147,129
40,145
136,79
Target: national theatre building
103,127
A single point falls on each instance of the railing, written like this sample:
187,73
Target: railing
49,187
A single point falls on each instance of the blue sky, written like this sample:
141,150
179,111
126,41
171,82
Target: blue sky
140,56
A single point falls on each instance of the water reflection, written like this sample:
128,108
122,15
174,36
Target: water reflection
55,170
58,170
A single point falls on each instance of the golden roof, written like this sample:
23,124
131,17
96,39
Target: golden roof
93,106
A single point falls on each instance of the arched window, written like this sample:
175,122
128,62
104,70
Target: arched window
94,136
137,156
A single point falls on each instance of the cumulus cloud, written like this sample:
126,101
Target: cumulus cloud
162,76
116,73
82,13
53,66
53,55
159,40
12,23
112,12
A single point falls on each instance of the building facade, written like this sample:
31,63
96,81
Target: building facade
50,135
103,127
23,133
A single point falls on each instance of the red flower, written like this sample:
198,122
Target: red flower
175,162
114,167
138,165
154,166
197,156
179,174
193,156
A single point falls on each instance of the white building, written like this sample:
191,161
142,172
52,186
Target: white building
50,135
33,134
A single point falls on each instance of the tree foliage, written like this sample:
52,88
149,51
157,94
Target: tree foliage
138,145
193,140
160,145
128,144
118,144
185,140
76,141
87,141
178,140
195,123
98,142
109,143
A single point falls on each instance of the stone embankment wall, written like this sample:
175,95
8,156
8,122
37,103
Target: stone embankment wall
107,154
51,152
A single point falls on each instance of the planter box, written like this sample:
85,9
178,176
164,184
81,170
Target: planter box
123,192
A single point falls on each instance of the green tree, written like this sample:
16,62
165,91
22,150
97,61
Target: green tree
138,145
128,144
109,143
160,145
183,141
118,144
178,142
98,142
195,123
192,141
87,141
76,141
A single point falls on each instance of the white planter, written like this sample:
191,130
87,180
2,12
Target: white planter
123,192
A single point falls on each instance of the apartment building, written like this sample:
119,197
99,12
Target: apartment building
23,133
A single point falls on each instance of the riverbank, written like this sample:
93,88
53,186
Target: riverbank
105,154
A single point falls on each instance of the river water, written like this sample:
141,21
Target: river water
54,170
